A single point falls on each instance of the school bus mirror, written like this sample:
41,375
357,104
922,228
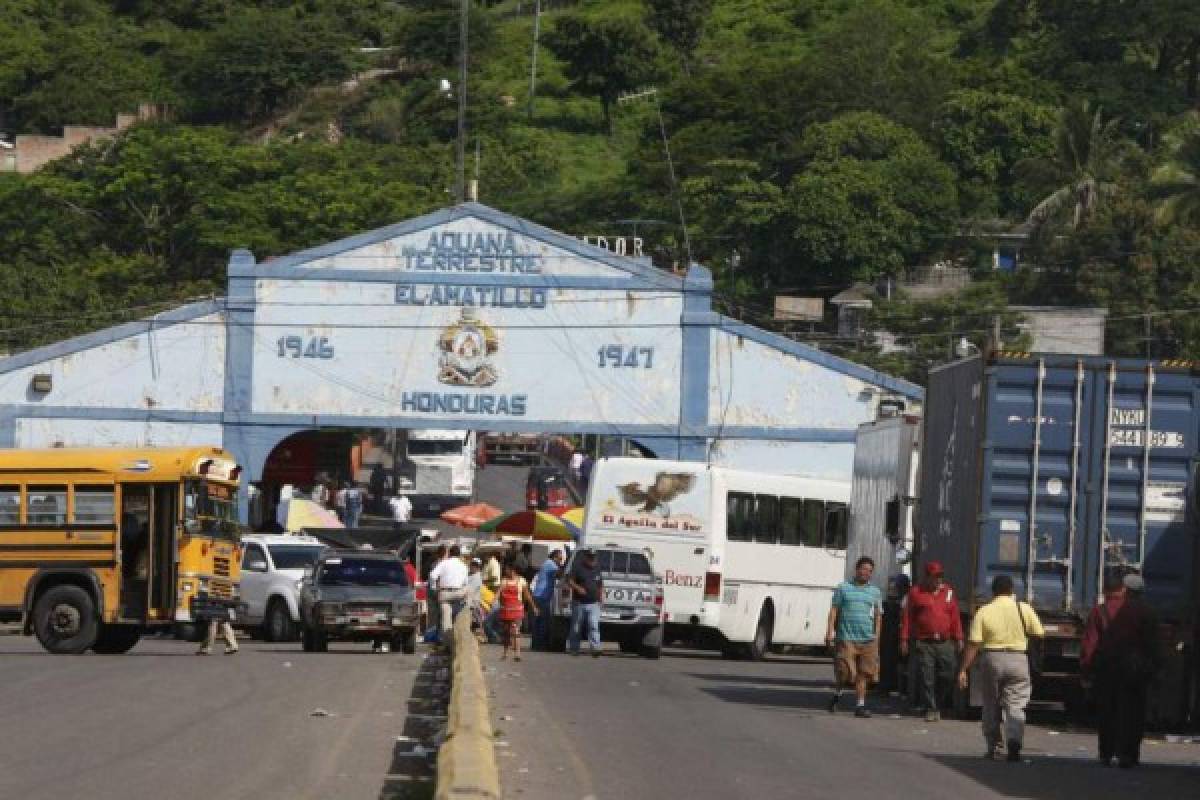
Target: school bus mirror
42,382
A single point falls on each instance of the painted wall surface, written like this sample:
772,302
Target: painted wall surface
752,384
826,460
32,433
179,366
468,246
512,347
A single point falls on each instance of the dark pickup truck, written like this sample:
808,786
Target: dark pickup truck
358,596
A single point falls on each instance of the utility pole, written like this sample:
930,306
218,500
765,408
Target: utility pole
662,129
460,179
537,25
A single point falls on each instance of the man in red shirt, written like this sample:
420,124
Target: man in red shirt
1119,657
932,627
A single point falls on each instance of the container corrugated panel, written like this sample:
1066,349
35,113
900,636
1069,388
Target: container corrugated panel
1072,476
884,460
948,503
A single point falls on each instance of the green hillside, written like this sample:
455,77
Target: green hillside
816,142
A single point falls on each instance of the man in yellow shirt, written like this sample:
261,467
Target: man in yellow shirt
1000,630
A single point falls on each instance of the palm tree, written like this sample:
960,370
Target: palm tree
1083,169
1176,182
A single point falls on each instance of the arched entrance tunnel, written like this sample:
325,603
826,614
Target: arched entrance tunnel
436,468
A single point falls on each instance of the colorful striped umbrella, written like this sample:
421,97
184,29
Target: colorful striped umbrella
536,524
573,515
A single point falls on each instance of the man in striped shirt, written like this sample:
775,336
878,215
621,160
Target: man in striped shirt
854,620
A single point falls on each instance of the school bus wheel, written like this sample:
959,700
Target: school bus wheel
64,620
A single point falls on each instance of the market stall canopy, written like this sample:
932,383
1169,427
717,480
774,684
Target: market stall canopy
398,539
538,525
472,516
302,513
572,515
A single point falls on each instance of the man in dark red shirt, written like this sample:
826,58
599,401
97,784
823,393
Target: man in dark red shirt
932,627
1120,656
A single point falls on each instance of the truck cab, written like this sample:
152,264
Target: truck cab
437,471
273,569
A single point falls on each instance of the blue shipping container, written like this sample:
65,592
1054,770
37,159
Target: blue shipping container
1054,468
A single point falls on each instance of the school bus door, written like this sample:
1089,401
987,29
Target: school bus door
149,516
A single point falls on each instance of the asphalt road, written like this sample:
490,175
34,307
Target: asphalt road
161,722
695,726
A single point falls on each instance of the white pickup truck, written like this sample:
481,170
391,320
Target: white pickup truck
272,572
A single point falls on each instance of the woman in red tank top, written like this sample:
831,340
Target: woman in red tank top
512,597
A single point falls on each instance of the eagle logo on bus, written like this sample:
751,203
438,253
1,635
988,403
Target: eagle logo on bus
658,495
466,346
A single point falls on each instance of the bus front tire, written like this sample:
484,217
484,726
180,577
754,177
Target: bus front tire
116,639
760,645
64,620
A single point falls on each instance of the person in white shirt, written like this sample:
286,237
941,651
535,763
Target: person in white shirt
576,463
449,578
401,508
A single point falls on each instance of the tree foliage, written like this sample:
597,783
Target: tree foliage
605,55
814,144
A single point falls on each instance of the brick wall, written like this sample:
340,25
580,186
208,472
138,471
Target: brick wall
31,152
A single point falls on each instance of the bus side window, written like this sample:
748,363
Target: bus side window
766,519
94,505
791,521
836,525
10,505
47,505
737,516
813,532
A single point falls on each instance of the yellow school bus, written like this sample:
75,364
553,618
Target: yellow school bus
97,545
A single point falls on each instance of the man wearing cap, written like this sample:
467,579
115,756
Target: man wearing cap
587,592
1120,656
932,629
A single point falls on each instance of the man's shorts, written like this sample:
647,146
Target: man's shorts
852,659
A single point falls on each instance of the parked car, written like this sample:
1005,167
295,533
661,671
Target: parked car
631,613
546,489
358,596
272,570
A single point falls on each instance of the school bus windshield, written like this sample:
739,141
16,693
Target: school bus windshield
214,507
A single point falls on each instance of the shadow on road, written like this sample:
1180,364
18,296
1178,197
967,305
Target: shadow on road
412,773
761,679
1040,777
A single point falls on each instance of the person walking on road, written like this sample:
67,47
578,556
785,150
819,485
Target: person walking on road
352,500
544,584
491,572
512,598
587,590
855,617
999,639
434,611
932,629
449,578
218,622
401,508
1120,657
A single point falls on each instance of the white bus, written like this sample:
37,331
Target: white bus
748,560
438,469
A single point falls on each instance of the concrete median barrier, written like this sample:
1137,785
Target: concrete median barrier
467,759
